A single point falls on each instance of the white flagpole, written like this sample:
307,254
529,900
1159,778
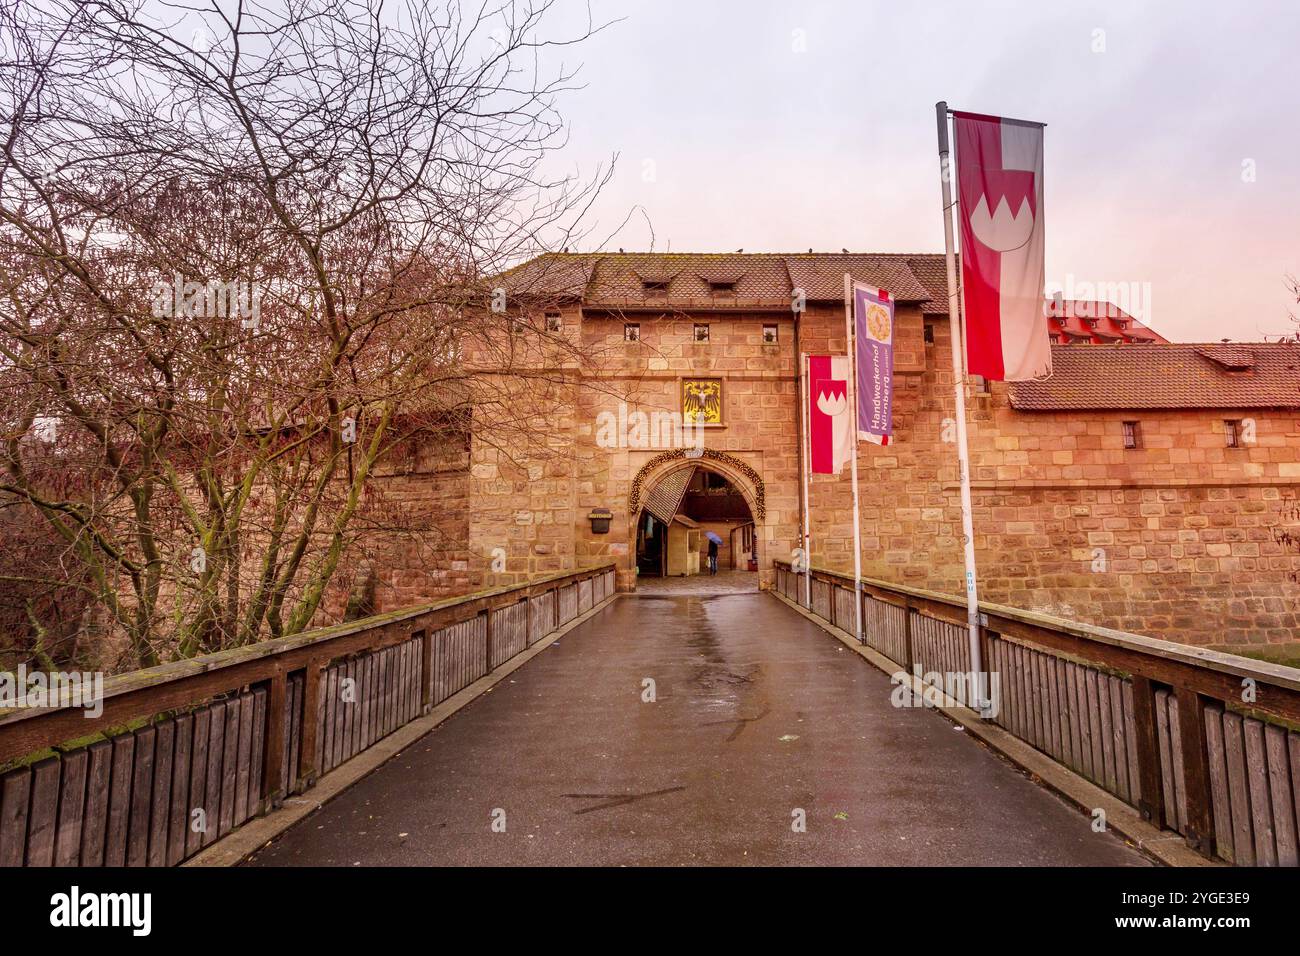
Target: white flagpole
806,480
853,445
959,394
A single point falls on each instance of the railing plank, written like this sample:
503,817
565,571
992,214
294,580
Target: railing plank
198,789
1243,844
44,812
1281,797
72,805
178,816
15,798
94,827
164,753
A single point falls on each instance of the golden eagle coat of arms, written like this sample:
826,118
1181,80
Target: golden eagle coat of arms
701,401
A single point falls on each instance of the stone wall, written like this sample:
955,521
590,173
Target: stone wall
1182,538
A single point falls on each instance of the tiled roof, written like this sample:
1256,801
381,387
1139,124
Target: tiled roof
558,276
620,278
821,275
1165,375
1078,320
931,269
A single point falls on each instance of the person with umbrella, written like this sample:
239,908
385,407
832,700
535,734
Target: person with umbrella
714,541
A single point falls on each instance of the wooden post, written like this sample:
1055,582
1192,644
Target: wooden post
1196,770
1151,797
986,690
426,670
274,749
907,635
308,770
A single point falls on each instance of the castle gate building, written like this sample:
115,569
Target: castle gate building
1148,486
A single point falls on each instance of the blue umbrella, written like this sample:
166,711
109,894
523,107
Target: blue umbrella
713,537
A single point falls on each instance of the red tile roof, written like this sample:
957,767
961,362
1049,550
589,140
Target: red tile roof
1074,320
620,278
1166,375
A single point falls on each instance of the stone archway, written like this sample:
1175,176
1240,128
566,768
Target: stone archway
741,476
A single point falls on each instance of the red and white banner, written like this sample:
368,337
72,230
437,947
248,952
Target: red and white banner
1000,200
830,420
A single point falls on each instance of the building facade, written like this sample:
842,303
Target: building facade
1152,487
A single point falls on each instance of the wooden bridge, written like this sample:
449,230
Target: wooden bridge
667,729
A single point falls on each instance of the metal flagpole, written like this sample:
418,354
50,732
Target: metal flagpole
853,445
805,480
959,394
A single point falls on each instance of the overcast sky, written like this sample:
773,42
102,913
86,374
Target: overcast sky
1172,153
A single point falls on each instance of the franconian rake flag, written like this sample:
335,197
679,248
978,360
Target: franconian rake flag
1000,202
873,313
830,424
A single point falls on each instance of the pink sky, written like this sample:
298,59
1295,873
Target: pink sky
779,126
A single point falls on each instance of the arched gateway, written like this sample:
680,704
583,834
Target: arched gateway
681,494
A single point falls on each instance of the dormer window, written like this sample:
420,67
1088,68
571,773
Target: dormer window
721,280
655,286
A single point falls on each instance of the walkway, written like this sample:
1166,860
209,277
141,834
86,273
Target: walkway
758,715
724,582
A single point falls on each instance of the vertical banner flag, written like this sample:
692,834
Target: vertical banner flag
1000,205
830,426
873,315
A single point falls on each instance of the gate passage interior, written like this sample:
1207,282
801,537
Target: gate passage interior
678,515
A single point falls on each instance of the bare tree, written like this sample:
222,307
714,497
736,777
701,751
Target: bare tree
241,250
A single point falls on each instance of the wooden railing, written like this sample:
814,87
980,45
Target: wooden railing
184,753
1198,741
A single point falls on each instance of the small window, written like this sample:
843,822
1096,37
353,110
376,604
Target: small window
1232,432
701,331
631,332
1132,435
769,335
981,384
725,288
656,287
554,323
929,333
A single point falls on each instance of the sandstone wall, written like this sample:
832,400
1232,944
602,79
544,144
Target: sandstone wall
1182,538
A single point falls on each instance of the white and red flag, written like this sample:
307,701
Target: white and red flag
830,420
1000,200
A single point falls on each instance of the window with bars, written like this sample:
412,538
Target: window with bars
1132,435
631,332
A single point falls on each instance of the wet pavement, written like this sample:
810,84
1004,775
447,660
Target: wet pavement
759,719
724,582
